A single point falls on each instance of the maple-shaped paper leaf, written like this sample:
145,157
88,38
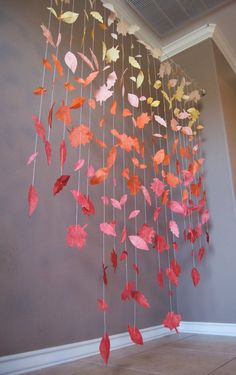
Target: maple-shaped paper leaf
177,207
39,128
102,304
111,157
99,176
32,199
133,100
195,276
140,298
63,114
71,61
172,276
77,102
200,254
160,243
108,229
174,228
134,184
142,120
76,236
146,195
48,151
102,94
80,135
104,348
112,55
172,321
159,157
138,242
156,213
157,187
147,233
60,183
135,335
160,280
62,153
113,258
127,291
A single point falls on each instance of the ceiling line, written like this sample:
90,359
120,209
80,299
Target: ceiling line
164,13
185,10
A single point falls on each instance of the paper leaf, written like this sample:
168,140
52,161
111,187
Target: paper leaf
102,304
140,298
48,151
140,79
79,164
133,100
195,276
80,135
102,94
172,276
135,335
133,214
94,58
99,176
157,85
205,217
157,187
62,153
60,183
50,115
186,130
63,114
69,17
113,258
76,236
32,199
112,55
177,207
90,171
104,347
156,213
159,157
142,120
160,278
71,61
52,11
133,62
123,199
134,185
146,195
48,35
172,321
123,255
39,90
77,102
160,120
174,228
116,204
97,16
138,242
58,65
86,60
147,233
155,103
108,229
111,157
39,128
200,254
32,158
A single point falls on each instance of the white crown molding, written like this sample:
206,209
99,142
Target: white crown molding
30,361
206,328
225,48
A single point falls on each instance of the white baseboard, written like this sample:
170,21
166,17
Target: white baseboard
30,361
221,329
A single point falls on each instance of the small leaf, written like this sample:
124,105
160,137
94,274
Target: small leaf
138,242
52,11
133,62
32,199
71,61
140,79
69,17
97,16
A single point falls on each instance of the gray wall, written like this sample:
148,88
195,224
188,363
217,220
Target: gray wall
214,300
48,290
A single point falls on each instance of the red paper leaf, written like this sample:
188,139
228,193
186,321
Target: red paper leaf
99,176
126,112
102,304
104,347
160,278
174,228
133,214
135,335
80,135
134,185
138,242
63,114
58,65
123,235
60,183
172,321
48,151
123,255
50,114
200,254
69,86
142,120
76,236
172,276
62,153
104,274
176,267
146,195
160,243
147,233
195,276
114,260
157,187
140,298
127,291
135,267
156,213
39,90
39,128
108,229
32,199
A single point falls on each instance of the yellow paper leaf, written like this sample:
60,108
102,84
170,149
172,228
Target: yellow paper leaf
52,11
149,100
167,98
112,54
194,114
69,17
97,16
104,50
155,103
179,93
157,84
140,79
200,127
133,79
133,62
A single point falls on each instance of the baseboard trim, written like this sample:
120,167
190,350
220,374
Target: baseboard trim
206,328
30,361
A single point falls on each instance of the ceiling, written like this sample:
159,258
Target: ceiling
166,17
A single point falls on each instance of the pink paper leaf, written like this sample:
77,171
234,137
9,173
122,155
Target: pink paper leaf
160,120
71,61
138,242
108,229
146,195
86,60
133,100
32,158
174,228
79,164
32,199
133,214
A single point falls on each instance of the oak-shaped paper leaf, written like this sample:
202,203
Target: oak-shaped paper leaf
76,236
102,94
157,187
172,321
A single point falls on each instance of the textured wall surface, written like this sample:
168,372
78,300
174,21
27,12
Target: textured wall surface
214,300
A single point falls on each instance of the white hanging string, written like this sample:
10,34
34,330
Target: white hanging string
113,142
41,98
